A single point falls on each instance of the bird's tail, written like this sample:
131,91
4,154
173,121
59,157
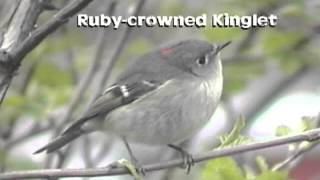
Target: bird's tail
60,141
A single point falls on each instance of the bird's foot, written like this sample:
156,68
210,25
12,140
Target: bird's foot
135,169
134,160
138,166
187,158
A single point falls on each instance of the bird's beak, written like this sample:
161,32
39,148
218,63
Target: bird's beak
222,46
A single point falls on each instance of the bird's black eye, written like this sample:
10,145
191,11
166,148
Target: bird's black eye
202,60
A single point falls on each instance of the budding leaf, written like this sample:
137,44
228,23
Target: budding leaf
234,137
283,130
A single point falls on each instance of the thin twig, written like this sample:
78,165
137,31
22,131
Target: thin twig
70,59
114,57
30,133
86,152
291,161
309,136
84,83
22,88
43,31
5,91
87,79
106,70
103,151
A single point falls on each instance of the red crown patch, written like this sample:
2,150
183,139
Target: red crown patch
166,51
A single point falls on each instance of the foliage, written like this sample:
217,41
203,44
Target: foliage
234,137
222,169
227,169
306,124
50,86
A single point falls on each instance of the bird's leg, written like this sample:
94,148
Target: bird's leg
187,158
133,159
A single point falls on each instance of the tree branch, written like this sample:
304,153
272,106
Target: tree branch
17,24
43,31
294,158
12,51
309,136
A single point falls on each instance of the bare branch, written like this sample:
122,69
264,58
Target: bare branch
114,57
5,90
35,130
43,31
20,23
83,85
86,152
294,159
85,81
12,50
16,26
310,136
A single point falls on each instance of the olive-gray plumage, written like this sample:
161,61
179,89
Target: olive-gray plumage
163,97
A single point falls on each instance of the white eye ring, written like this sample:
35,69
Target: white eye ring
202,60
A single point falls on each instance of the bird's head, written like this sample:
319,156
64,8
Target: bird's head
200,58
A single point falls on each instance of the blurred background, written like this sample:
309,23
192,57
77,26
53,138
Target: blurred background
271,77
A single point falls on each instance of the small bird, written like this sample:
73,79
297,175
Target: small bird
162,98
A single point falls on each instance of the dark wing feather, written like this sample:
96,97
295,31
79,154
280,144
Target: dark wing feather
113,98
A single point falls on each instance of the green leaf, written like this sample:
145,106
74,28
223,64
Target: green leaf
283,130
274,175
234,137
222,169
307,123
262,164
249,173
305,144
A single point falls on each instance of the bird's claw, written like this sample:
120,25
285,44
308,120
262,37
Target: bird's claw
140,170
187,158
188,161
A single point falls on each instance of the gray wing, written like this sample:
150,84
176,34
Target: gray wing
135,82
122,93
